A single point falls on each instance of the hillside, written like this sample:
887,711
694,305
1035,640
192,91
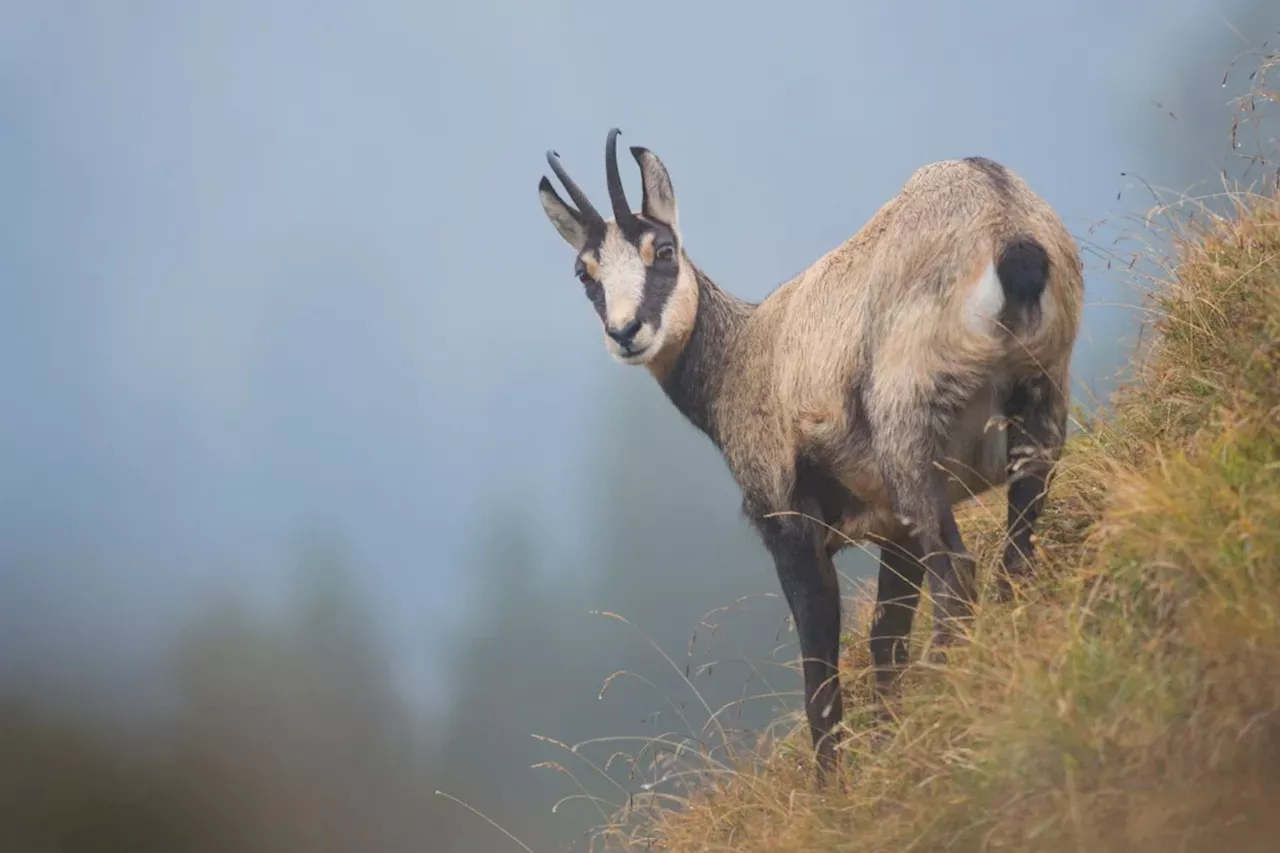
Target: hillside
1130,698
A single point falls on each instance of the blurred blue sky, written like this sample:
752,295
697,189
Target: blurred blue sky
273,269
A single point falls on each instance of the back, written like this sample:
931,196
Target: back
911,278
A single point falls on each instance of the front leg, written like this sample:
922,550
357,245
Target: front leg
812,590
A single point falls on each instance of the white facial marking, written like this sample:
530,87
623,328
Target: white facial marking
985,300
622,274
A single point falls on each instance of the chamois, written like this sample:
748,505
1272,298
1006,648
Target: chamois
921,362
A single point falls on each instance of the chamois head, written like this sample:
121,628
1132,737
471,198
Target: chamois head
632,266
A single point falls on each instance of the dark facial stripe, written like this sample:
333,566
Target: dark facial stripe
595,292
659,281
585,270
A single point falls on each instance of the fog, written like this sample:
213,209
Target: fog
313,465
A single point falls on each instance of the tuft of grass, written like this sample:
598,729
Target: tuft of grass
1129,698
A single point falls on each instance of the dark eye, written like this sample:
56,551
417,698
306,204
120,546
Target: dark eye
666,252
583,277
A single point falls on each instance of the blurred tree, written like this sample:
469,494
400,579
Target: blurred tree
289,736
293,730
62,788
519,671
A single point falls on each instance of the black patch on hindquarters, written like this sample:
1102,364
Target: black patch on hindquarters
1023,270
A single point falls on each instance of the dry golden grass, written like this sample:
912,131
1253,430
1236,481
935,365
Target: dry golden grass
1129,699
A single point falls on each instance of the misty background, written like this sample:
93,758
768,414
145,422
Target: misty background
312,463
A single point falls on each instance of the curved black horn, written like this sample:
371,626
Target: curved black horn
579,197
617,196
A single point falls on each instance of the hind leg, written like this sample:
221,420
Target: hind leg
897,594
917,489
1037,413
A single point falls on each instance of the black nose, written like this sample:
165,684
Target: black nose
624,335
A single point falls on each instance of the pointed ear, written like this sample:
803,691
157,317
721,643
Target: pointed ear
659,201
562,216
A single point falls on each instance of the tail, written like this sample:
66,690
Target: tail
1023,269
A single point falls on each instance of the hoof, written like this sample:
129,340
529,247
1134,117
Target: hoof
1015,570
940,647
1004,590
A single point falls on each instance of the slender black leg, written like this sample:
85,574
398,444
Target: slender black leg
1037,413
919,494
812,590
910,442
897,594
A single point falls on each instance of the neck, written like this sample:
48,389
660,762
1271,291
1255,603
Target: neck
696,379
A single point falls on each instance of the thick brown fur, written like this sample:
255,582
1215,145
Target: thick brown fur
839,399
881,313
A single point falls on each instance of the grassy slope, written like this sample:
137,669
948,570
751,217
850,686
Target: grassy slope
1130,700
